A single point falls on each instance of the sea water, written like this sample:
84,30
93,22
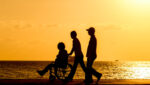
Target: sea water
109,69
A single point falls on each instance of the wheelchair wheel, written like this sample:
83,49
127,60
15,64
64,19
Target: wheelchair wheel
62,73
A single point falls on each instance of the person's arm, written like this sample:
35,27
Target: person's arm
71,51
93,47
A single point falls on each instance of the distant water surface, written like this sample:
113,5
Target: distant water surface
109,69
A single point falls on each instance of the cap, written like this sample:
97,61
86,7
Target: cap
91,29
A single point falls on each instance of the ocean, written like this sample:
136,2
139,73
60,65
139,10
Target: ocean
109,69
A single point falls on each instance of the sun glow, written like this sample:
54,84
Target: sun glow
137,7
140,2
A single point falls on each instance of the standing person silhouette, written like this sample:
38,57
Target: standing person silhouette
91,56
78,55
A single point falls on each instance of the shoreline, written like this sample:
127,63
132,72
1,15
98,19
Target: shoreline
74,82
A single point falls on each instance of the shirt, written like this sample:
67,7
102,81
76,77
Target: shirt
77,47
91,50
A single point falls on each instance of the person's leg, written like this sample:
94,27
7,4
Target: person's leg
89,67
73,70
48,67
82,65
94,72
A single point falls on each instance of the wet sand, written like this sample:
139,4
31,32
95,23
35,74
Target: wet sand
74,82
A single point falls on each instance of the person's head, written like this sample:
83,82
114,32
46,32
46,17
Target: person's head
91,31
73,34
61,46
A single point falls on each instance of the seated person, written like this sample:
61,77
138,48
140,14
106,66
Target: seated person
60,61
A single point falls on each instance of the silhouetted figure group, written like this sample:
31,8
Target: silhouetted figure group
62,58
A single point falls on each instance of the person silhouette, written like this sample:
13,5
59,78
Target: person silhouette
78,56
60,61
91,56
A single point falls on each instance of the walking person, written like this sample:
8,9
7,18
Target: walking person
78,56
91,56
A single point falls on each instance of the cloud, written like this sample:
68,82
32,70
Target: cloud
111,27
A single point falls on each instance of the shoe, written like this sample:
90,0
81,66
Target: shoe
88,81
40,73
99,77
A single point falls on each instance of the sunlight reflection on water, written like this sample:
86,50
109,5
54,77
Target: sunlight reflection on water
110,70
136,70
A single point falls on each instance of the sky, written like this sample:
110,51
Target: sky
31,29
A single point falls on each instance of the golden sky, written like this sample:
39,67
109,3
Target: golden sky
31,29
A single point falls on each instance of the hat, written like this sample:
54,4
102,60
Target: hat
92,29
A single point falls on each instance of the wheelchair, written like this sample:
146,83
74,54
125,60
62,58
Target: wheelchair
61,72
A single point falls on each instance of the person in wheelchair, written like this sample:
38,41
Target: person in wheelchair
60,61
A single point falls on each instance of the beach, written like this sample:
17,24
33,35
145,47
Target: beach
74,82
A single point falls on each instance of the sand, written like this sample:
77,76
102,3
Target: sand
74,82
